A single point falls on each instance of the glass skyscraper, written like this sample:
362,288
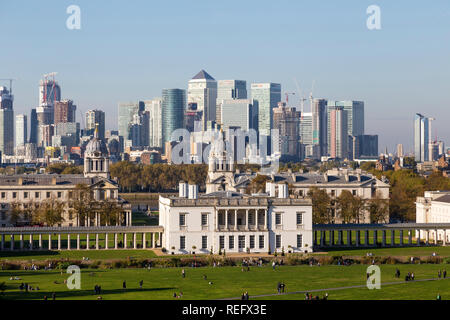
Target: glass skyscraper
173,107
127,115
266,97
6,122
422,137
21,130
229,89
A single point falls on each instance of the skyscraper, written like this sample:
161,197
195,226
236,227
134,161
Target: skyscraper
422,137
202,89
6,122
64,111
127,118
286,120
229,89
320,126
49,92
33,127
338,132
21,130
94,117
239,113
400,152
173,107
154,107
355,115
266,97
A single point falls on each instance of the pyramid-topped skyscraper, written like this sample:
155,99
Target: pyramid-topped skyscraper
202,91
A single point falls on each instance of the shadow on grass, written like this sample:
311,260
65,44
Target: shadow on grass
12,254
39,295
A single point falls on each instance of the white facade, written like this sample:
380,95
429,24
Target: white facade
235,223
434,207
154,107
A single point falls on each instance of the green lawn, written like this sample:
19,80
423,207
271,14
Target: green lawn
401,251
75,254
229,282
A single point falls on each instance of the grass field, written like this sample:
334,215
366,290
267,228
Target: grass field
230,282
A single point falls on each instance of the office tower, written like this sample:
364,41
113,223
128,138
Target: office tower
144,119
173,107
266,97
229,89
441,146
46,132
49,92
320,126
33,127
154,107
400,152
240,113
286,120
64,111
95,118
338,133
127,118
308,148
21,130
355,115
6,122
202,90
363,146
44,116
422,137
193,118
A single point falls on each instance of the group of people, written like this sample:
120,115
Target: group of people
179,296
442,274
97,289
26,287
244,296
309,296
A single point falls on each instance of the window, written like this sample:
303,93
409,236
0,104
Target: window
261,242
278,241
299,218
48,195
37,195
333,193
25,195
300,193
222,242
182,242
14,195
251,218
182,219
252,242
241,242
59,194
3,195
231,242
204,219
354,192
70,194
277,218
204,242
299,241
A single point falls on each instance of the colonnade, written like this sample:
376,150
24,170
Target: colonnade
258,222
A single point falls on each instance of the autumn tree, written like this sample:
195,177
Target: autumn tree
321,203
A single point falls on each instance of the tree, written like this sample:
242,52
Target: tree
51,212
16,213
82,203
321,202
258,184
378,209
110,211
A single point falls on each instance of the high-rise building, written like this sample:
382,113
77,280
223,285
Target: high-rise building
95,118
364,146
355,115
229,89
173,107
33,127
21,130
320,126
240,113
422,137
6,122
286,120
49,92
127,117
338,133
400,152
202,90
154,107
193,118
266,97
64,111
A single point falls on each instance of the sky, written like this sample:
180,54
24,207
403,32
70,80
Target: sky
131,50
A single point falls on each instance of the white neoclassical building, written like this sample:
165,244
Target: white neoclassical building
235,222
434,207
31,189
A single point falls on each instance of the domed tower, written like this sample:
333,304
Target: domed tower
96,160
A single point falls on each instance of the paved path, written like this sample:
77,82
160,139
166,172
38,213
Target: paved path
334,289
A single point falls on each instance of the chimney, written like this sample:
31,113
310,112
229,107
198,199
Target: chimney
346,176
283,192
53,180
183,189
20,181
325,177
358,176
193,191
270,189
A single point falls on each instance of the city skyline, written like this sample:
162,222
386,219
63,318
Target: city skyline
397,71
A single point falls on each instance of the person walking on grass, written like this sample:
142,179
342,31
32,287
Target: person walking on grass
183,273
140,284
124,285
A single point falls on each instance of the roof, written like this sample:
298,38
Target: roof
445,198
315,178
47,179
203,75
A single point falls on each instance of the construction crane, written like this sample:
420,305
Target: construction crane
287,96
302,99
311,99
46,76
10,83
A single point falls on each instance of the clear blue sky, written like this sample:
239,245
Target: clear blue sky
130,50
